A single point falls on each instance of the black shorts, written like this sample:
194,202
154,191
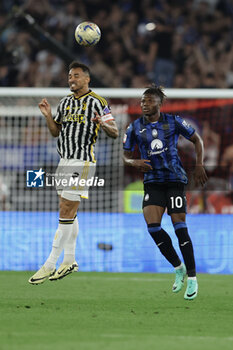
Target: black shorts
170,195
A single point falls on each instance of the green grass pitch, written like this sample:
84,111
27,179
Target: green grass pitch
114,311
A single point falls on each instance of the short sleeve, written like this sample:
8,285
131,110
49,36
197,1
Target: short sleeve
129,140
103,109
58,116
184,128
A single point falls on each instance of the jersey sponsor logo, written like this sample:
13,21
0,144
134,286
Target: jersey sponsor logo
154,133
156,144
156,147
79,118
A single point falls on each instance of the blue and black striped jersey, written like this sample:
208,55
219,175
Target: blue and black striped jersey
157,142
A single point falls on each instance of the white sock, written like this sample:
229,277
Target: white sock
64,229
179,267
192,278
70,244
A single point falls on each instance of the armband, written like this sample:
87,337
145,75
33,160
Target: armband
107,117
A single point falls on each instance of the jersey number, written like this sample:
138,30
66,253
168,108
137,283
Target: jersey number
176,202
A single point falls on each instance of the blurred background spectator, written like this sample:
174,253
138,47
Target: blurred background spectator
183,44
175,43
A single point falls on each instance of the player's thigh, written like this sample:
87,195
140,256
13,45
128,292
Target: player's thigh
176,200
153,214
154,203
68,208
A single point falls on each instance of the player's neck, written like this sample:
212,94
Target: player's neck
81,92
153,118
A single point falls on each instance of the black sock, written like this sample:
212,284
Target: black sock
164,243
186,247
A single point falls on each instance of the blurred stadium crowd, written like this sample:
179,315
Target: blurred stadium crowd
190,45
175,43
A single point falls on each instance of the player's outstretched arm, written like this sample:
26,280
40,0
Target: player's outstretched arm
200,176
45,108
141,164
109,127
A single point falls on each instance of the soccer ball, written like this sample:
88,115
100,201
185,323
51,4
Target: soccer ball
87,34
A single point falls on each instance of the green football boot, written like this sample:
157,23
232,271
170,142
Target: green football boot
191,290
179,280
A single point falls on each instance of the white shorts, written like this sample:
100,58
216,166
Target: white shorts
71,178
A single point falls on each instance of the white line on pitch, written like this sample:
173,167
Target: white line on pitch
133,279
203,337
117,335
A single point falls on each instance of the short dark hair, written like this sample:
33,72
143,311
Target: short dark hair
76,64
156,90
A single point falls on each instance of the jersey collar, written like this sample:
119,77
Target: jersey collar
77,98
145,122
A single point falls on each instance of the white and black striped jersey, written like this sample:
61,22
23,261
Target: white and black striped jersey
78,134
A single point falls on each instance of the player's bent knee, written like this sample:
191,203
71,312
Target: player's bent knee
158,234
154,229
178,217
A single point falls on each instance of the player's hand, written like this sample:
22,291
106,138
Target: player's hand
97,119
200,176
142,165
45,107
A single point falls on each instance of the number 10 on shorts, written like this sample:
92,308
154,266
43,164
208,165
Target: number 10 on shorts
176,202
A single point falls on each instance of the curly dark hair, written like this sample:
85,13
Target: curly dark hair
156,90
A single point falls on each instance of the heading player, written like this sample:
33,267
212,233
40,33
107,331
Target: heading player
76,124
156,135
